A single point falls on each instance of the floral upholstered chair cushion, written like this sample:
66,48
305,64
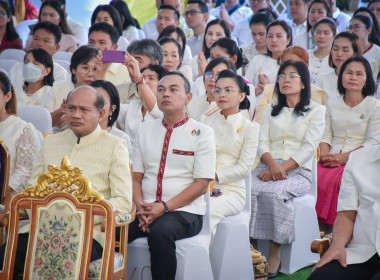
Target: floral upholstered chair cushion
94,270
58,242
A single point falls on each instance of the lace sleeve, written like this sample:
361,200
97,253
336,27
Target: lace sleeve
27,149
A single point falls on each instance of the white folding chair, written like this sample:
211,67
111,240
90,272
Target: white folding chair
230,252
7,64
38,116
23,29
65,56
13,54
193,260
297,255
64,64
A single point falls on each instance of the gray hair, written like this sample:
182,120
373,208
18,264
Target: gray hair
99,103
147,47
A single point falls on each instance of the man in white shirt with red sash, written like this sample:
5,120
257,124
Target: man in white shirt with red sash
173,162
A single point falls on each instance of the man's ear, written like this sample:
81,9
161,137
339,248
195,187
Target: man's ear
177,23
189,97
115,47
101,114
57,47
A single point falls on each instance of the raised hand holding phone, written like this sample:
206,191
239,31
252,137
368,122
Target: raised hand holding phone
133,67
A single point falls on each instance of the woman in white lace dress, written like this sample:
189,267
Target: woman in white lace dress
20,138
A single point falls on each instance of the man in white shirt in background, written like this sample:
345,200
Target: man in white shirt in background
196,16
149,27
298,12
232,12
46,36
242,32
342,20
170,174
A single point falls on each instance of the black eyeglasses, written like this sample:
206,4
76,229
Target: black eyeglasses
192,13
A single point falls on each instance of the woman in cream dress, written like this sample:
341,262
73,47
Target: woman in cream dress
289,136
262,70
204,105
344,46
236,141
325,31
19,137
38,79
352,122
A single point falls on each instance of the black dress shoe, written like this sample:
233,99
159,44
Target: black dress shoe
274,274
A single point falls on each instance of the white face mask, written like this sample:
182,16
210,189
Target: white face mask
32,73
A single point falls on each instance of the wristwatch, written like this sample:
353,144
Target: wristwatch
166,208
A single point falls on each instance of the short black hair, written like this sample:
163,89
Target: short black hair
220,60
114,98
185,80
43,57
369,86
50,28
202,5
106,28
114,14
81,56
168,7
263,18
99,102
147,47
160,70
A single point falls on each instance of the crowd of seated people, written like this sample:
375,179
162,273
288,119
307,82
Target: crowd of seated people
204,92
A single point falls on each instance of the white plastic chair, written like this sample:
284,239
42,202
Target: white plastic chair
298,255
13,54
64,64
23,29
38,116
193,262
65,56
7,64
230,252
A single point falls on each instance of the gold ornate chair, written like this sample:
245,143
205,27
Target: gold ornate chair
62,209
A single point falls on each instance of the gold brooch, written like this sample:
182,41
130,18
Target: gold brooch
193,132
238,130
362,116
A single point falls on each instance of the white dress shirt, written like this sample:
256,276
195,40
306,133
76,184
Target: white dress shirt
42,97
173,159
329,83
304,40
373,57
79,31
195,43
342,20
131,33
17,79
131,116
242,32
317,66
262,64
347,128
359,191
291,136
